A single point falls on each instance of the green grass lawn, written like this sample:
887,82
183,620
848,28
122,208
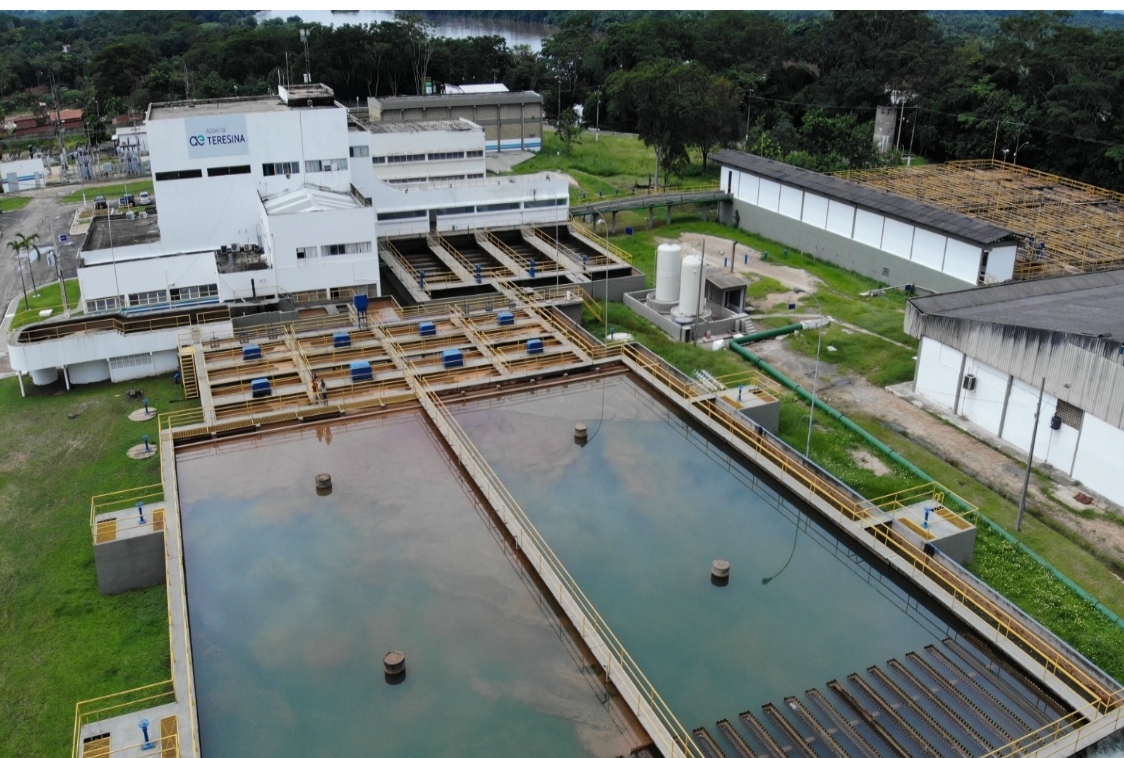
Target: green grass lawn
61,641
13,203
111,191
47,296
615,163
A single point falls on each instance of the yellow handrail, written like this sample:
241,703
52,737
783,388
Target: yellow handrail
123,499
118,704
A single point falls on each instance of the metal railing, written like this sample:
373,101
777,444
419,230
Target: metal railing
124,499
118,704
835,494
616,250
635,688
965,513
57,330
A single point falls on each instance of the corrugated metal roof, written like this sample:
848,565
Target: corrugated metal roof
1076,304
726,281
964,227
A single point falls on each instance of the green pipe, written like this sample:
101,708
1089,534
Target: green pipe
736,345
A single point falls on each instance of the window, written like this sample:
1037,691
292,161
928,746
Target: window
351,248
103,304
414,180
450,178
335,164
199,292
163,176
446,156
227,170
125,361
396,215
497,207
280,169
454,211
378,159
475,154
305,252
405,158
544,203
154,297
1070,415
359,151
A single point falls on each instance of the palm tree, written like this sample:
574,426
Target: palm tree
17,246
29,242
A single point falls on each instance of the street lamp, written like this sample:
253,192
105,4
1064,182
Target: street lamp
1015,157
816,374
606,223
58,266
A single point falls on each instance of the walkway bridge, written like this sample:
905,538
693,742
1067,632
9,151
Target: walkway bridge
638,199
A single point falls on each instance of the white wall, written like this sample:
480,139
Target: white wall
220,210
429,142
938,372
840,218
815,210
288,231
1001,263
22,175
868,227
147,274
1097,464
958,259
984,404
962,261
1090,454
897,238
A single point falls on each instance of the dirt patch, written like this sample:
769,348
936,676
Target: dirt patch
719,251
870,462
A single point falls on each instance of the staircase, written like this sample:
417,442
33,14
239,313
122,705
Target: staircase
187,372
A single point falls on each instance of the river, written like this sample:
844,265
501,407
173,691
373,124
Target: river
515,32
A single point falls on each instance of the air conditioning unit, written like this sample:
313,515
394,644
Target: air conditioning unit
969,382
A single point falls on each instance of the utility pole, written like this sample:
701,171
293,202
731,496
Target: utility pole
597,136
1030,458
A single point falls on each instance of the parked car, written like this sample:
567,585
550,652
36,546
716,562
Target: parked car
144,199
100,203
126,200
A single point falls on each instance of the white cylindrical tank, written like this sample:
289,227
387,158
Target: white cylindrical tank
41,377
668,260
689,282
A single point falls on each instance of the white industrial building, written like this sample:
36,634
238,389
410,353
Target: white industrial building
265,198
884,236
26,174
984,354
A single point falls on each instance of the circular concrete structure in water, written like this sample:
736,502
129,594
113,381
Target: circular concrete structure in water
323,482
720,571
394,663
581,432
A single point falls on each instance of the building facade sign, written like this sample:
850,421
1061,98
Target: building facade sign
216,136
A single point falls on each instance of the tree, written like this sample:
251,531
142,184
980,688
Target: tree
568,128
714,118
16,246
119,68
660,97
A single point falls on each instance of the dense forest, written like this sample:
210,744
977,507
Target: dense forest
1046,90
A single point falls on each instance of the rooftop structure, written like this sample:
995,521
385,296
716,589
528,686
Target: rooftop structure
986,354
308,200
1064,226
399,127
511,120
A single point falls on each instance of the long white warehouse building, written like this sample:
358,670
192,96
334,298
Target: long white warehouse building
884,236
